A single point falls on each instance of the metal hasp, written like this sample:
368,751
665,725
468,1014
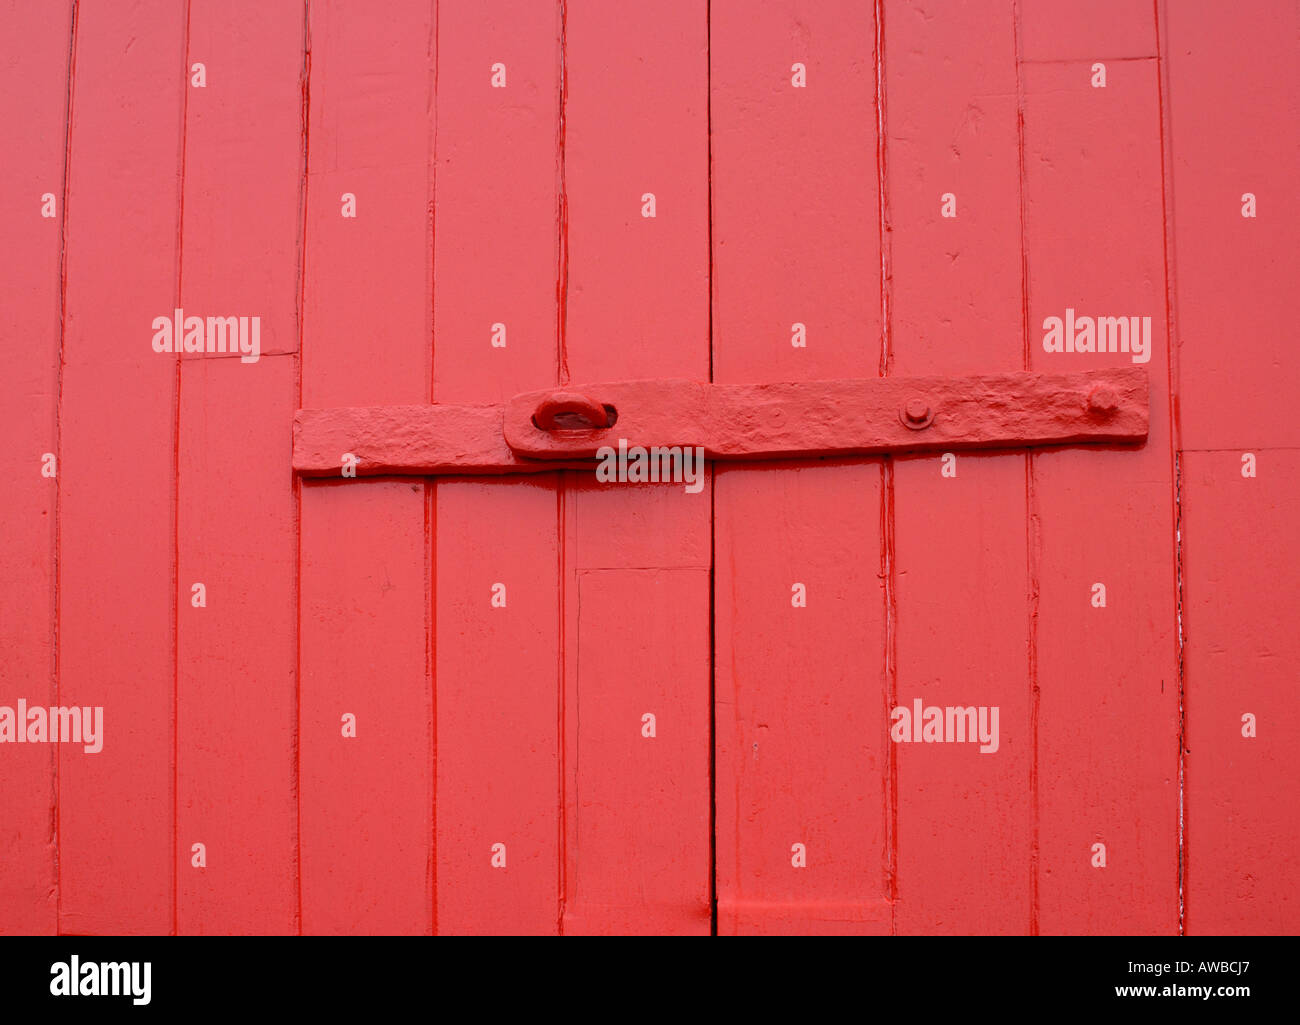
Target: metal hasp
559,428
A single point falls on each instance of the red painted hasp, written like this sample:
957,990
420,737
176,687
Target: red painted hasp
756,421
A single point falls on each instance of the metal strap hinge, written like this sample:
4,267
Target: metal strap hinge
560,428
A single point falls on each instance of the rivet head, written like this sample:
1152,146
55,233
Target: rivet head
916,414
1103,399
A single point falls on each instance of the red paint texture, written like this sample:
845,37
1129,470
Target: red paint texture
483,692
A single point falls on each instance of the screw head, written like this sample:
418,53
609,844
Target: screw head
916,414
1103,399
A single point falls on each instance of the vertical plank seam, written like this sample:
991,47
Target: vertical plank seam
562,209
176,477
56,624
430,485
888,570
1176,441
562,377
1032,521
431,677
882,199
708,115
713,705
887,540
431,188
296,755
561,867
713,502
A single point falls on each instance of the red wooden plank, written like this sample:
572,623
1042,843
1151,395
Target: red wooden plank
635,305
642,828
236,510
636,563
1230,119
964,815
1232,108
1086,30
243,166
794,193
637,124
495,225
800,702
367,800
33,97
116,568
497,667
236,656
1243,831
801,753
1107,724
365,310
497,671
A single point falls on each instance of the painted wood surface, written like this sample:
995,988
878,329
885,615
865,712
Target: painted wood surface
320,691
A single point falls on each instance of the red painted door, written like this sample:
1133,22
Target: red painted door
349,681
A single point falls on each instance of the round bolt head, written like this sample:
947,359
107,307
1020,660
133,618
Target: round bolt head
1103,399
917,410
916,414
